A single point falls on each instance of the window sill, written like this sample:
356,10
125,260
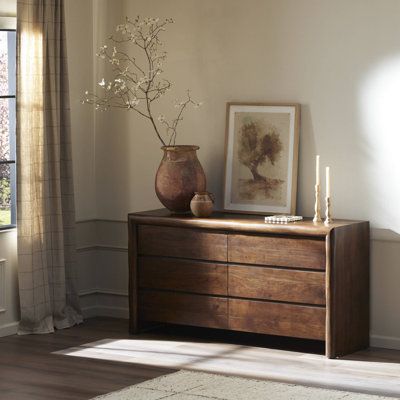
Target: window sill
8,228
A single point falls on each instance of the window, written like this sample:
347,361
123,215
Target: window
7,128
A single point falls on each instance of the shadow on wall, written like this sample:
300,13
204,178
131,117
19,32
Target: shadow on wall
306,171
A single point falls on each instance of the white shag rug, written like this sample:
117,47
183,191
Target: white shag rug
187,385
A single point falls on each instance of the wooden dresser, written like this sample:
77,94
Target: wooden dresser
236,272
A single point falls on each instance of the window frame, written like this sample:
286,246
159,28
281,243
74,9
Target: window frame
11,161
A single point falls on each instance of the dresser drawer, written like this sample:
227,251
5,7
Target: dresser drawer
183,275
277,284
178,242
186,309
277,251
277,319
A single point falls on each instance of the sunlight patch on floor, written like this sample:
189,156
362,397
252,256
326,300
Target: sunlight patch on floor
255,362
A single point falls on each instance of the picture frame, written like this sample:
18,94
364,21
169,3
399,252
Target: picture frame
261,158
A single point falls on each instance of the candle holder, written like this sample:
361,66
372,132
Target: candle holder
317,208
328,218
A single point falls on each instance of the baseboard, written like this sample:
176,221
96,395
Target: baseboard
386,342
105,311
9,329
98,302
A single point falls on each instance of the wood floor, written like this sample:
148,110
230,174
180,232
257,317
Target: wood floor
100,356
30,370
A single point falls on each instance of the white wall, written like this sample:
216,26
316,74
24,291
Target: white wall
326,55
8,8
79,26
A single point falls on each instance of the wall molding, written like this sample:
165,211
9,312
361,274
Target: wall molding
386,342
94,291
83,221
8,22
105,311
82,249
9,329
7,230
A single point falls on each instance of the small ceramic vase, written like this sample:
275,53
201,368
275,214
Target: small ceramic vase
202,204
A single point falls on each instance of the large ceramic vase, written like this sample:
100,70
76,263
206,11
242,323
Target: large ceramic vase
179,175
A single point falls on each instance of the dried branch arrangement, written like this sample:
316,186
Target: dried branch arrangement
137,81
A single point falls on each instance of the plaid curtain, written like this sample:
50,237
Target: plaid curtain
45,199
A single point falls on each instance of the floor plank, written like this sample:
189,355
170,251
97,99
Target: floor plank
100,356
30,370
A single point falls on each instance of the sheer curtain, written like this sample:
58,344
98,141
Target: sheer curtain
45,199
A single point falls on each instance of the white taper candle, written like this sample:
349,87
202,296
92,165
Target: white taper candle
328,182
317,171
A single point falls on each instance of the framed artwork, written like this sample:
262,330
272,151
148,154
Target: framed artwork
261,154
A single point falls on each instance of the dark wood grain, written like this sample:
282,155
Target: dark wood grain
185,243
235,223
277,319
277,284
277,251
183,275
133,277
348,307
29,370
186,309
272,270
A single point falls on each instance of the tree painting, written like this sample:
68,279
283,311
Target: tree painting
257,145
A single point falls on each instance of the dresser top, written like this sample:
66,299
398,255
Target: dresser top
237,222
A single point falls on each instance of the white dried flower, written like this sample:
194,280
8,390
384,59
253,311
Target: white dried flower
102,52
133,102
123,28
128,85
